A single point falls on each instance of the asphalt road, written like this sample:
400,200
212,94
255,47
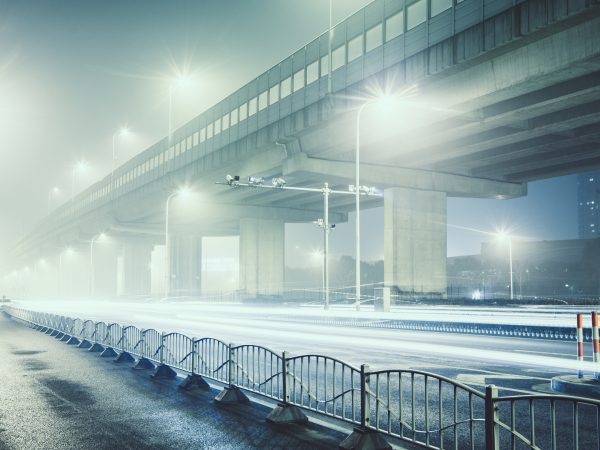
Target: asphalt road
55,396
515,365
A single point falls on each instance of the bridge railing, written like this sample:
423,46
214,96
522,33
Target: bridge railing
415,406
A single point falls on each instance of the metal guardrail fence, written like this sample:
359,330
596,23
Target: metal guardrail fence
415,406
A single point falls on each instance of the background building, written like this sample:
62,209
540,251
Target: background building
551,269
588,204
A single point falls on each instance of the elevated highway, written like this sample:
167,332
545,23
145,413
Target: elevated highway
506,92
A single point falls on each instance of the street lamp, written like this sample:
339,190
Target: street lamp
99,236
183,191
504,236
52,193
280,183
324,224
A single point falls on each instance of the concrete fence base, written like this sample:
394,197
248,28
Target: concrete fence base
194,381
164,372
365,439
284,413
96,348
85,344
109,352
73,341
231,395
144,364
124,357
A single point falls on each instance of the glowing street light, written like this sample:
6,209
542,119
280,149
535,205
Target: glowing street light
182,191
180,81
502,235
98,237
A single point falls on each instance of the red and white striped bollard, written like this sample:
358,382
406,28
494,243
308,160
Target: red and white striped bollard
580,342
595,342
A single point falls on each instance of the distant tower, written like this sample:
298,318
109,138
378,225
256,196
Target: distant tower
588,204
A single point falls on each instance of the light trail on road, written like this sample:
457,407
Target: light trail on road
381,348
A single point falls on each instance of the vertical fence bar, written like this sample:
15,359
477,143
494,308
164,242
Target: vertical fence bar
492,438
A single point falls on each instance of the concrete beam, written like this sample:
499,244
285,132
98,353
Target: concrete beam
387,177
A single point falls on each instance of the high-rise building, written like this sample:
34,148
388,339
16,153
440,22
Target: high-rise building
588,204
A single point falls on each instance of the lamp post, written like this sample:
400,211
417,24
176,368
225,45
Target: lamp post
329,79
505,236
279,183
181,191
324,224
92,274
357,205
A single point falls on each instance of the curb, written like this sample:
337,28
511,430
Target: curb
573,385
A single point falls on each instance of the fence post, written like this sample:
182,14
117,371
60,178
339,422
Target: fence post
122,338
285,412
231,394
143,363
96,347
163,371
286,377
365,410
230,365
193,355
194,380
492,438
364,437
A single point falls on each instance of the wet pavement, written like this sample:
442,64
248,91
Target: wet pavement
56,396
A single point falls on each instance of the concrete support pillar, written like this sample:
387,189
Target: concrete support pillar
185,265
415,241
103,283
262,256
135,268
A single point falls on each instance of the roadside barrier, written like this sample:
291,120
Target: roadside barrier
525,331
414,406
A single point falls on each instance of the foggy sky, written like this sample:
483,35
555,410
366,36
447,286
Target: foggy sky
72,72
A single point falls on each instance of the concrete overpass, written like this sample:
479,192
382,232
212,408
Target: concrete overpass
508,92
